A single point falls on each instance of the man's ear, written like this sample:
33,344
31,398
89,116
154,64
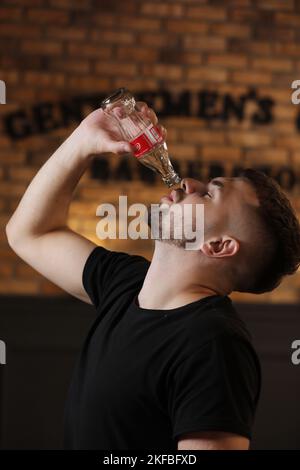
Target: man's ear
220,247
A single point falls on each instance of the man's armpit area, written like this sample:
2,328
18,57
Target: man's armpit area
215,440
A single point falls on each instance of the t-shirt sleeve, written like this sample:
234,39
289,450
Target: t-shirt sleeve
106,273
216,389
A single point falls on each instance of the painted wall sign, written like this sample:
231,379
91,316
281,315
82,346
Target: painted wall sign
206,105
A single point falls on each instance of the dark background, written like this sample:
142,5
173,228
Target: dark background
43,337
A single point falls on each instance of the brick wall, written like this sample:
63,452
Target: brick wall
54,49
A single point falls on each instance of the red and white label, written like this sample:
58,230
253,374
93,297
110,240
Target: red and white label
146,141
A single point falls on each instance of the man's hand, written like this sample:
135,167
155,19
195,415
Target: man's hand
99,133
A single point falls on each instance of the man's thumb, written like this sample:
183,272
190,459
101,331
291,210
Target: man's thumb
121,147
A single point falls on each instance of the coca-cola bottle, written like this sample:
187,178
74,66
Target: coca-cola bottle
149,146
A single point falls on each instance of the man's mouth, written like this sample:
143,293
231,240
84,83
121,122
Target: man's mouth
175,195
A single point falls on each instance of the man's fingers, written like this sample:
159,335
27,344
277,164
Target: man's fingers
148,112
140,105
163,131
152,116
121,147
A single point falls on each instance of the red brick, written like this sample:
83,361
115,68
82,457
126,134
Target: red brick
154,40
272,156
2,206
14,286
249,139
246,15
287,141
48,288
138,24
79,209
44,79
289,19
69,4
276,4
41,47
207,73
89,50
278,33
183,151
203,136
253,78
193,58
73,33
16,30
5,143
186,26
12,189
10,14
118,37
119,68
287,49
12,156
6,269
207,13
205,43
281,65
235,61
25,3
89,83
221,153
79,65
7,254
159,9
25,271
22,173
23,95
240,3
136,83
284,112
231,30
258,48
137,53
48,16
169,72
104,19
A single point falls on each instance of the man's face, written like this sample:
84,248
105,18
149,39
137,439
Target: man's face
225,202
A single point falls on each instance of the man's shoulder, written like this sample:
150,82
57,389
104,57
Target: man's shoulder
107,274
218,319
219,331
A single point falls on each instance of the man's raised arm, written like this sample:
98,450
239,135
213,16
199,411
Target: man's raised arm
37,230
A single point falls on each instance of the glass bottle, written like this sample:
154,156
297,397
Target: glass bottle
149,145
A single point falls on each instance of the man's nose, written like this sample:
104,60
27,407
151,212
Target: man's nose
189,185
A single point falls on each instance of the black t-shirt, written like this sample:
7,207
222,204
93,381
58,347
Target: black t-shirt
145,376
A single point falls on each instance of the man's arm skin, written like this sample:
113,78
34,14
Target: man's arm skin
38,231
212,441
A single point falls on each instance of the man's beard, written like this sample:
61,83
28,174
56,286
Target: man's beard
163,222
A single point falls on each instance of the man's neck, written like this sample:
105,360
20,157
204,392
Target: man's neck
175,279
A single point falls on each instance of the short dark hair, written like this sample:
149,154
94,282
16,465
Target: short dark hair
282,231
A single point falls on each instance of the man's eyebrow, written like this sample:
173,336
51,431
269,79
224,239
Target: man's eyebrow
217,183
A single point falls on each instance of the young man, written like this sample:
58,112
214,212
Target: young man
168,364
